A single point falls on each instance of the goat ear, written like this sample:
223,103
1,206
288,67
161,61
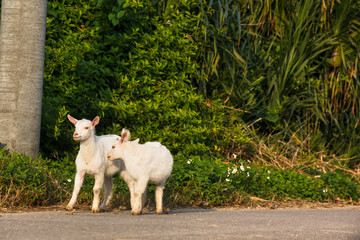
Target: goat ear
95,121
71,119
125,135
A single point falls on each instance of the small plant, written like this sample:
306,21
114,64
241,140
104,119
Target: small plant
198,181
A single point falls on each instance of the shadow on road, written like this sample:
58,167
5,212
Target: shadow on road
146,212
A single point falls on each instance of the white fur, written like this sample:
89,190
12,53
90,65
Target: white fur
149,162
92,160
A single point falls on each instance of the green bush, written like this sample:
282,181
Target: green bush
139,78
26,182
270,183
339,186
145,64
207,79
197,180
194,180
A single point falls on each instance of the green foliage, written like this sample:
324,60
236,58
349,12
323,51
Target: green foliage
194,181
261,60
26,182
208,79
285,61
198,180
339,186
138,77
278,184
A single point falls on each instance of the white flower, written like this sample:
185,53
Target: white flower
69,180
325,190
248,174
248,167
268,178
234,155
228,173
268,171
228,180
242,168
189,161
234,171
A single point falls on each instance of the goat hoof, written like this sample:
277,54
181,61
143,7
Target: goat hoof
135,213
69,208
106,209
94,210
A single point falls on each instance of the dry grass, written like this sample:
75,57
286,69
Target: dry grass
12,196
293,154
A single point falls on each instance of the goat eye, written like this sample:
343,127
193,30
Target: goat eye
113,147
86,128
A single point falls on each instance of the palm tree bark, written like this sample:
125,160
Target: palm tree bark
22,48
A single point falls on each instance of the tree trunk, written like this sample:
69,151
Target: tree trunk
22,49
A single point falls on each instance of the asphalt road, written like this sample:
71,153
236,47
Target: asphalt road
335,223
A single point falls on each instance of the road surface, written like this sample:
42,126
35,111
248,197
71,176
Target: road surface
334,223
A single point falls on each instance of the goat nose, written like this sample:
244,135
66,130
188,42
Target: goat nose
75,134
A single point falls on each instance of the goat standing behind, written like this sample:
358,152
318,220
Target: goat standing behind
149,162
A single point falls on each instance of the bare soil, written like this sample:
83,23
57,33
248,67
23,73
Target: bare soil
255,203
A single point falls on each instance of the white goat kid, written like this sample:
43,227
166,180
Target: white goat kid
149,162
92,160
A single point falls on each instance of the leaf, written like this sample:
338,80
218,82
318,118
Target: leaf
111,16
120,14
